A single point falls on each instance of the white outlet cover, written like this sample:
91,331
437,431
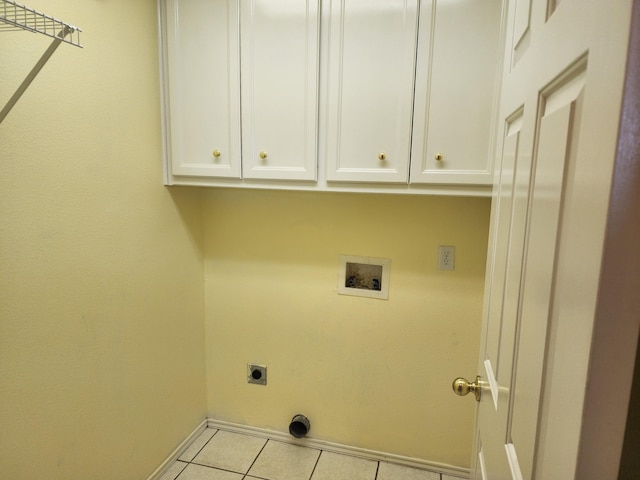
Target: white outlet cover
446,257
364,276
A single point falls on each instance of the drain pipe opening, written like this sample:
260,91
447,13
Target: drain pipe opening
299,426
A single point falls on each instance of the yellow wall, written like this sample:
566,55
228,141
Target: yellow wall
101,302
102,317
369,373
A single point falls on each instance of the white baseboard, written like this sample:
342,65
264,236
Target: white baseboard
164,466
452,470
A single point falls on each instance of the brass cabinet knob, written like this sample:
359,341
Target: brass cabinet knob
462,387
216,153
382,156
263,155
439,157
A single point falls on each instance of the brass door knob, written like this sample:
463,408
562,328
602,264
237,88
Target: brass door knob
216,153
439,156
263,155
382,156
462,387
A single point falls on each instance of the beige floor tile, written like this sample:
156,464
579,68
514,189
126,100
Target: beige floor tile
197,445
451,477
282,461
333,466
174,471
199,472
230,451
391,471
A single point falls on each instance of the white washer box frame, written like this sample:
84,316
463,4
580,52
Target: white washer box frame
382,294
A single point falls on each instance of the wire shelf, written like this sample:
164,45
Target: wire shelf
14,16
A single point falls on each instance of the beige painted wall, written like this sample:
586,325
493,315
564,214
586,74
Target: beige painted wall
101,302
369,373
101,298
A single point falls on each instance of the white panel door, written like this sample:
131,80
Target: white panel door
280,61
371,68
203,84
560,106
458,65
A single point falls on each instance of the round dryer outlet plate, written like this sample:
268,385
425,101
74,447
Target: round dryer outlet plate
256,374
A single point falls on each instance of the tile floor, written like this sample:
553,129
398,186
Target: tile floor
222,455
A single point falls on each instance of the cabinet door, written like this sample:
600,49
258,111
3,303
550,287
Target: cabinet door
280,60
372,48
202,83
458,57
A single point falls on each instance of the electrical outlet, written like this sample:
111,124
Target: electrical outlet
256,374
446,257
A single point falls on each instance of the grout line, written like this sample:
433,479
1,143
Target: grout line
205,444
181,471
377,468
256,458
252,477
216,468
316,464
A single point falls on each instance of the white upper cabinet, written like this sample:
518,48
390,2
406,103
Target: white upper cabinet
457,64
202,87
279,88
370,72
390,96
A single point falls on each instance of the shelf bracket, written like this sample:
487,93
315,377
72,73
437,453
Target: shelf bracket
34,71
14,16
